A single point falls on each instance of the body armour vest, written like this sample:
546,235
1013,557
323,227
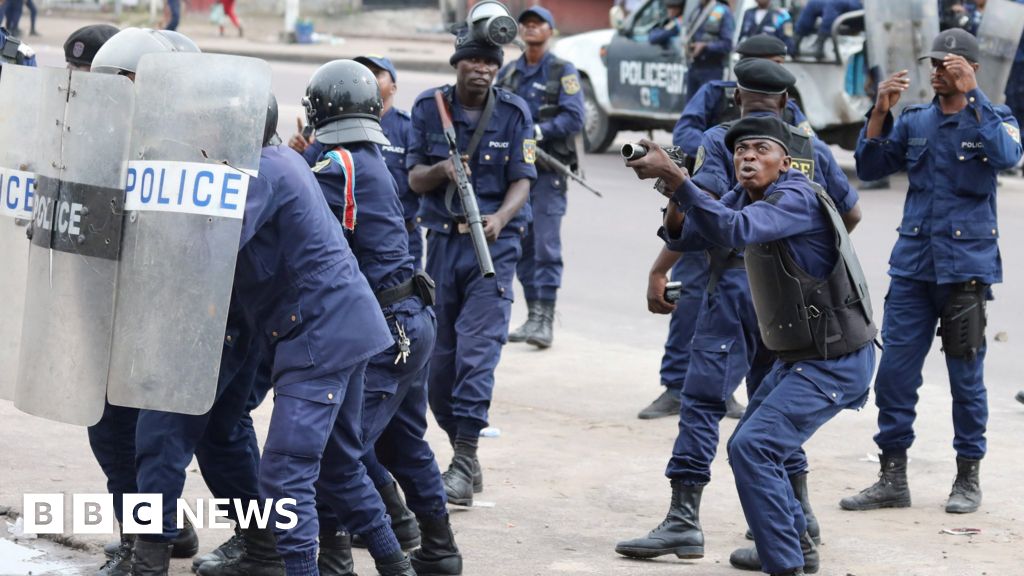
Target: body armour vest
806,318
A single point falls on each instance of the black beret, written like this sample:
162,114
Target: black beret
763,76
761,46
467,46
954,41
83,43
760,127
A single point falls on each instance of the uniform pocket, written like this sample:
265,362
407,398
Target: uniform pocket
974,177
712,375
911,247
303,417
975,247
490,175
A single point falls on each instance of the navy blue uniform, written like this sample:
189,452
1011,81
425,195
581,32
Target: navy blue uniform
948,236
1015,83
472,311
716,31
540,268
828,11
364,198
775,22
794,399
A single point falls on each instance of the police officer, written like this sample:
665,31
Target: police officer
82,45
551,87
1015,83
668,33
14,51
787,227
828,11
767,19
364,198
944,262
472,311
709,46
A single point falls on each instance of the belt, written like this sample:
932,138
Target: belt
396,293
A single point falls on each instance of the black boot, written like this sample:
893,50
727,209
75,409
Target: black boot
747,558
665,405
966,494
151,558
458,479
259,557
403,522
119,563
797,39
819,48
530,326
395,565
678,534
733,408
478,477
231,548
891,490
543,335
186,543
438,556
335,554
799,484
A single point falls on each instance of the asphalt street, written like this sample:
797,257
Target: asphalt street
573,470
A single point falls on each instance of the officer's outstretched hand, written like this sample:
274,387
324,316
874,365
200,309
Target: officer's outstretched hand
964,77
298,142
493,225
890,90
657,164
656,302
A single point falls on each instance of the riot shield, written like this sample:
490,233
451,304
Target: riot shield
196,141
998,36
898,33
76,232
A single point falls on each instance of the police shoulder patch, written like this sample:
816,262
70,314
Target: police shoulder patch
699,161
321,165
1013,131
529,150
570,84
806,127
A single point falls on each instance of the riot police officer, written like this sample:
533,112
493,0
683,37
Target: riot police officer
944,262
789,228
767,19
81,46
472,311
668,33
551,87
364,198
710,44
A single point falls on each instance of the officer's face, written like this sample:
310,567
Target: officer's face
387,85
674,11
942,81
476,74
759,162
533,29
763,4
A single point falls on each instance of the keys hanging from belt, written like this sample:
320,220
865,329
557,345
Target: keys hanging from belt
403,345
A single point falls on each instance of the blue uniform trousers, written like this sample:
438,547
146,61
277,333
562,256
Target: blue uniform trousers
828,11
112,440
12,13
912,309
313,448
175,8
698,76
415,243
692,270
791,403
473,313
540,268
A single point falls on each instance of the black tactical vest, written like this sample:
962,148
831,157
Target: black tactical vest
805,318
563,149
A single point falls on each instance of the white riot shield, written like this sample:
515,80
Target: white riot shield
898,33
76,233
195,144
998,36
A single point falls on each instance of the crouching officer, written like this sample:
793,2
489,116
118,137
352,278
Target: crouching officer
494,130
551,87
945,260
788,228
343,102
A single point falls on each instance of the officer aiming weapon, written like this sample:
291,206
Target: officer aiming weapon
675,153
465,189
555,165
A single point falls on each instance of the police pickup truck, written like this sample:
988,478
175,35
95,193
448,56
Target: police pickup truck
630,84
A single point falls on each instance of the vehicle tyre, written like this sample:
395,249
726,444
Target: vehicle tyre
598,129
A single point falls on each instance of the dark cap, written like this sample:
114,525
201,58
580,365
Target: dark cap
540,12
761,46
758,127
82,44
763,76
466,46
954,41
382,62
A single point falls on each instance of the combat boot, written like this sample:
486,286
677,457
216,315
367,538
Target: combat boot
799,484
458,479
747,558
733,408
259,557
680,533
543,335
819,48
438,556
478,477
231,548
891,490
120,562
797,39
530,326
395,565
667,404
186,543
335,554
403,522
151,558
966,494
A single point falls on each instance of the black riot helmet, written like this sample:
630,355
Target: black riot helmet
344,105
270,137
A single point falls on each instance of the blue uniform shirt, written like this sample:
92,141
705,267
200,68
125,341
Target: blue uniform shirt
949,231
297,279
716,173
364,198
506,153
717,31
702,111
776,22
532,87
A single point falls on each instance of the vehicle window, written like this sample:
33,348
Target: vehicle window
652,14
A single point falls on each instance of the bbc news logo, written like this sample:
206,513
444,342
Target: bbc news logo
143,513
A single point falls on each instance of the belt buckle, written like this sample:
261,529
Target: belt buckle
462,227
